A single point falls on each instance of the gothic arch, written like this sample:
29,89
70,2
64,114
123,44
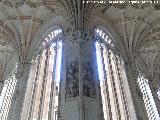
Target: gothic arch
99,19
57,20
112,78
47,76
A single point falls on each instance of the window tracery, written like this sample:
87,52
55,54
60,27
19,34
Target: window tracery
110,76
44,101
113,95
52,34
99,31
148,98
7,94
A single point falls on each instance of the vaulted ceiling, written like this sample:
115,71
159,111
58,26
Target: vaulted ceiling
137,25
139,29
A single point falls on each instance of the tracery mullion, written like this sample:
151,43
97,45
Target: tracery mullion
48,85
123,95
41,105
112,82
105,87
104,60
51,113
110,88
119,88
39,85
32,103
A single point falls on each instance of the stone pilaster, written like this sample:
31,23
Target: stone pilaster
79,86
20,90
132,76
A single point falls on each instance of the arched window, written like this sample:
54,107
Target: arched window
44,100
112,77
113,81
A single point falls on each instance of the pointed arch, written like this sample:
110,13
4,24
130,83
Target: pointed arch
113,83
44,99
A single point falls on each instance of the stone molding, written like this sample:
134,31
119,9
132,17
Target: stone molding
80,36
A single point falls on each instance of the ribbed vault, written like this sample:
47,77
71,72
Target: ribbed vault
136,27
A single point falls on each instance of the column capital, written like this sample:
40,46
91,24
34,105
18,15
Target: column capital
23,68
131,67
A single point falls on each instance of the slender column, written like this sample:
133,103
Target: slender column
51,114
81,99
119,89
48,85
122,91
39,81
34,90
104,55
114,89
43,90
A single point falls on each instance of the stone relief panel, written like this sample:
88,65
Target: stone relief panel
72,79
88,80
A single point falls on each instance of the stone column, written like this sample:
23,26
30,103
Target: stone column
132,76
79,87
20,90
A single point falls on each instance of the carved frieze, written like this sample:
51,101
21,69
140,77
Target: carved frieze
72,79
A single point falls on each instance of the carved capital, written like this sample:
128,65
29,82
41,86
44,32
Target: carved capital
80,36
132,69
22,69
